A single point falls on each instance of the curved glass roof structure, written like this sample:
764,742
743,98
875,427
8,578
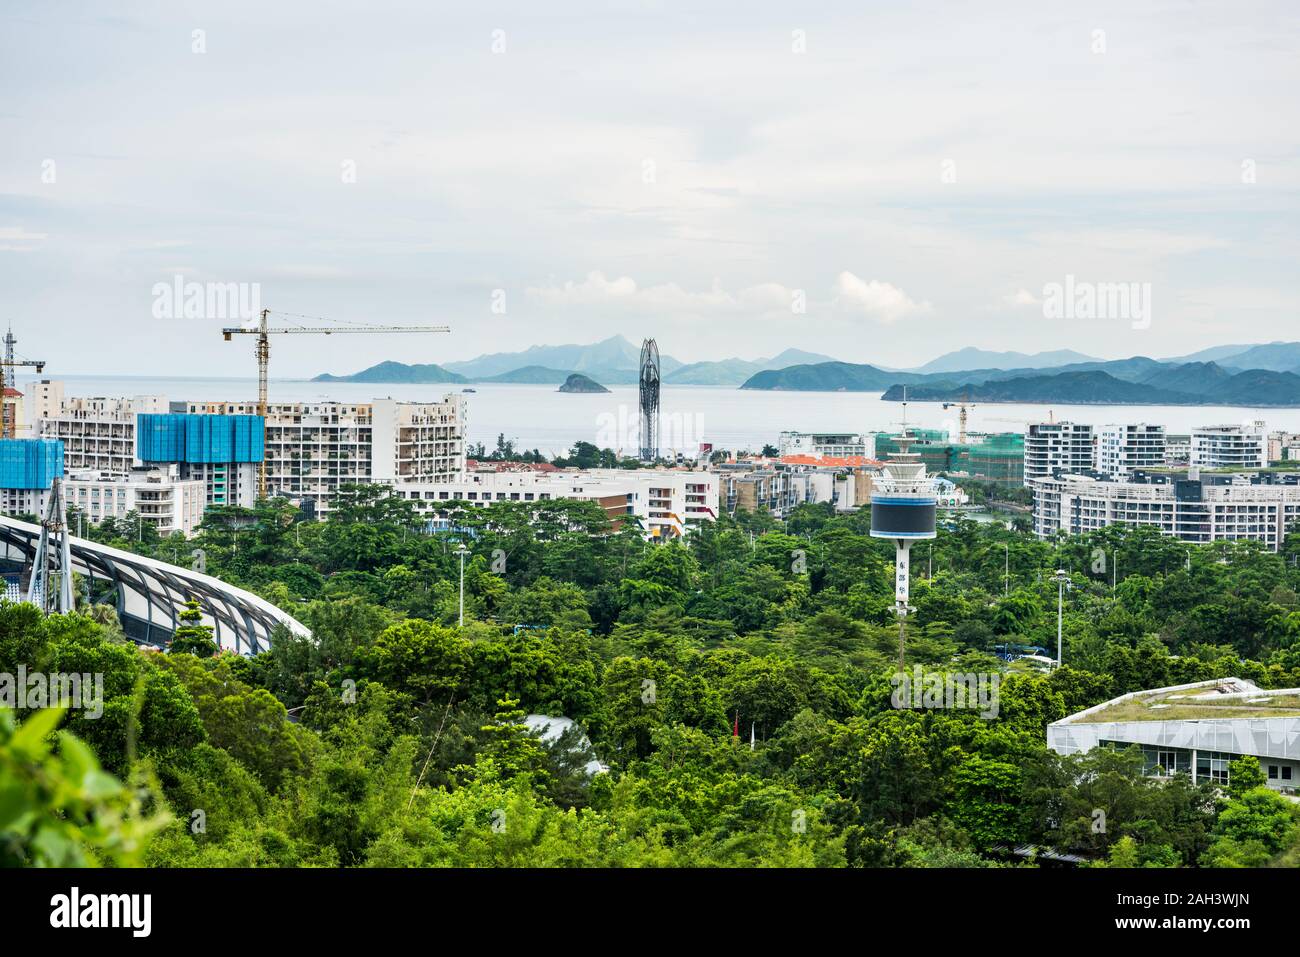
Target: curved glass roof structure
151,594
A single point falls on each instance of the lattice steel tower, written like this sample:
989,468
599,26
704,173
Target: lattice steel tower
649,401
50,587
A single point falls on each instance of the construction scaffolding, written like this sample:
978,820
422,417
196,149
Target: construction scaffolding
995,457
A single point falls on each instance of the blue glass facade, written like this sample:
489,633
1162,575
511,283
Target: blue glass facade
199,439
30,463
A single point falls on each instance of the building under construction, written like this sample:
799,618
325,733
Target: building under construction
995,457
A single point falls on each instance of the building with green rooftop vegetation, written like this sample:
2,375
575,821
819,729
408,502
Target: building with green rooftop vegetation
1197,729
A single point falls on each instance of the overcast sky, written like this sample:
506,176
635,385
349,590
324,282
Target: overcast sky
915,174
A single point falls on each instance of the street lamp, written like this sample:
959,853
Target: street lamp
1062,583
462,551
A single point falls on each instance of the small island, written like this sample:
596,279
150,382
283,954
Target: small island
580,383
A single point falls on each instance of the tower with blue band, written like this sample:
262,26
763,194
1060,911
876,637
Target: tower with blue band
903,508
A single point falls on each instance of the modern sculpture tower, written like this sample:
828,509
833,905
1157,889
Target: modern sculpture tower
649,401
903,507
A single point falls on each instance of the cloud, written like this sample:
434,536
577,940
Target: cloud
599,290
1021,297
15,239
876,300
594,290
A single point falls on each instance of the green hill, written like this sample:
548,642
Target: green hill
580,383
829,377
398,372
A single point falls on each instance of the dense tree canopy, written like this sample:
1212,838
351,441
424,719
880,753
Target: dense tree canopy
737,690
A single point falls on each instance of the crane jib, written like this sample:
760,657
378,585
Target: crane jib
263,357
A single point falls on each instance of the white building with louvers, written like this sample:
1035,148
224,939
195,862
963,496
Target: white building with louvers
1197,729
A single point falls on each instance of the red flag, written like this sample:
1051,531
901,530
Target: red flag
735,729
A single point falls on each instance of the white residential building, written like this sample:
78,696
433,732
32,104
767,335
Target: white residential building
1230,446
669,502
781,488
159,496
1123,449
1058,447
98,434
835,444
1197,508
312,448
1178,450
45,400
23,501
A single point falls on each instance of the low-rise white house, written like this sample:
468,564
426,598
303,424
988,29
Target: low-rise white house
669,502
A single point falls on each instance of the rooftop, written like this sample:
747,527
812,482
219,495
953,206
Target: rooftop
1218,699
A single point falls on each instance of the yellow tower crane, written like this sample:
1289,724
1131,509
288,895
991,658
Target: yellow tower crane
263,330
965,405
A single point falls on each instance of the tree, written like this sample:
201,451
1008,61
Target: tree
513,749
192,636
418,657
1245,774
1251,829
58,807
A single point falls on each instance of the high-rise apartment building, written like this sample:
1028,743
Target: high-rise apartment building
222,451
1124,449
98,434
313,448
1052,447
27,469
1230,446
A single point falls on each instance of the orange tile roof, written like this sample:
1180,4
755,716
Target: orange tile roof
834,461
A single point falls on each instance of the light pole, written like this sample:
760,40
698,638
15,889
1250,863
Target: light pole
1006,575
462,551
1062,583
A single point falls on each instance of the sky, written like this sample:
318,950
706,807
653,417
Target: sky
879,182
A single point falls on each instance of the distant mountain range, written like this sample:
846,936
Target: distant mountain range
1246,374
1136,381
1273,356
972,358
613,361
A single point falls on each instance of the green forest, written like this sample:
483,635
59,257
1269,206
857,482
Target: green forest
734,687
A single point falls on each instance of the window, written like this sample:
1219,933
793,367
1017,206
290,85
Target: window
1286,773
1272,772
1212,766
